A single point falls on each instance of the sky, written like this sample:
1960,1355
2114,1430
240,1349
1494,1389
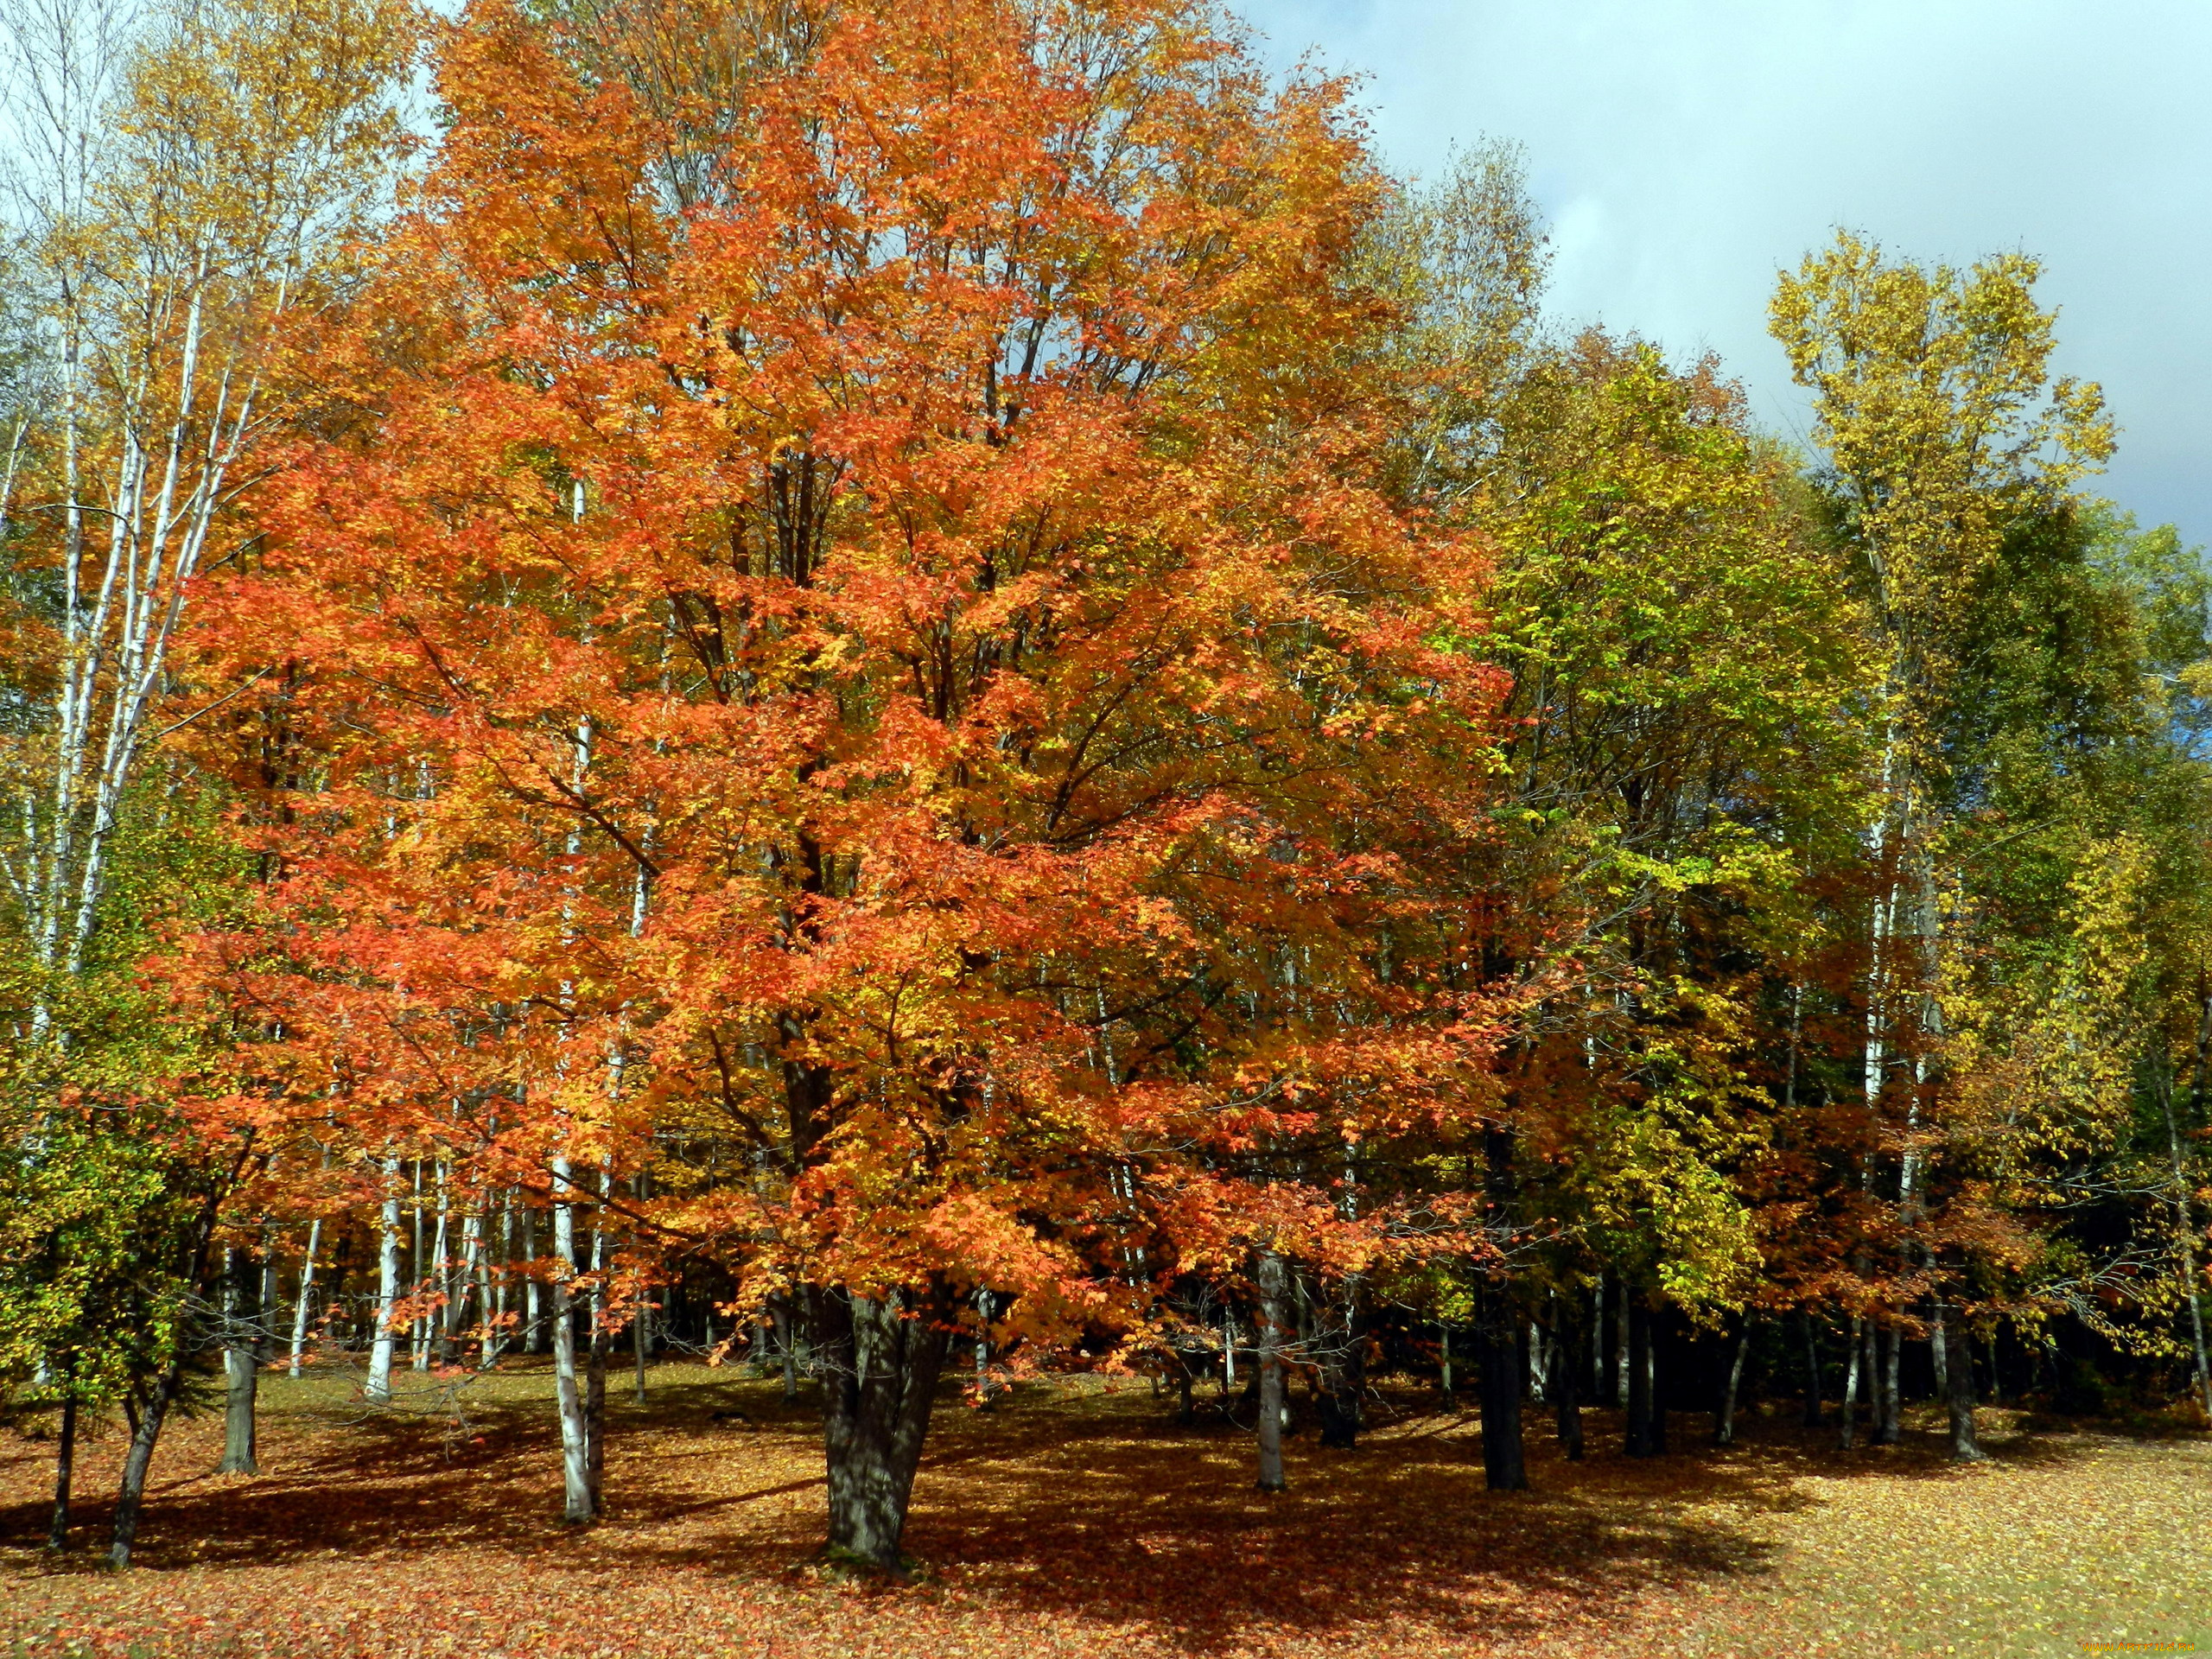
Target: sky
1683,150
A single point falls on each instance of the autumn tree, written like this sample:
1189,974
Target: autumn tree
1942,431
873,673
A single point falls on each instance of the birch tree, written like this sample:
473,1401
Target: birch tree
186,177
1942,429
183,178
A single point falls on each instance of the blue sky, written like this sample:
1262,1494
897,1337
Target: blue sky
1683,149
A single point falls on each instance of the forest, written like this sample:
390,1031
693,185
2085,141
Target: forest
919,735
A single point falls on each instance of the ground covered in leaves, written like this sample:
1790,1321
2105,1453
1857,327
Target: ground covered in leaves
1078,1521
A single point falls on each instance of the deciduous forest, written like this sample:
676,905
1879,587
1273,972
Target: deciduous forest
837,827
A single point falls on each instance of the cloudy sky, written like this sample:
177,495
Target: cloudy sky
1685,149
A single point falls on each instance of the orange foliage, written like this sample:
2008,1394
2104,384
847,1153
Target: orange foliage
861,660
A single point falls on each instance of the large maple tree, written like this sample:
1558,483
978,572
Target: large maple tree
857,657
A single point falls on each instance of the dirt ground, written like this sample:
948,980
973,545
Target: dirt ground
1077,1519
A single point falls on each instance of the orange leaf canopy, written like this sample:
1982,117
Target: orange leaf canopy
855,652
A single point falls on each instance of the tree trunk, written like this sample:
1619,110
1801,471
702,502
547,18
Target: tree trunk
65,1470
1445,1351
241,1362
380,1346
1964,1448
300,1312
1566,1366
418,1263
533,1291
983,1306
641,1340
880,1358
146,1432
1503,1465
1271,1278
1888,1348
787,1340
596,1407
1849,1433
491,1272
463,1284
1342,1375
1640,1439
1601,1379
579,1499
2184,1225
1812,1369
1619,1341
1724,1422
1939,1353
438,1339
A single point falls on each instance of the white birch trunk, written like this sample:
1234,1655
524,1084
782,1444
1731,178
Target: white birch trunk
380,1347
1850,1431
299,1313
580,1503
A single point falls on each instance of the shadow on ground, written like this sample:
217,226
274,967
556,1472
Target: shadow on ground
1063,1504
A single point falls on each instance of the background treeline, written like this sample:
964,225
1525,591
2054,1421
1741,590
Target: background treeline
904,697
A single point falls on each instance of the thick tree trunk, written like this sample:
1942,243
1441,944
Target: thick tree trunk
146,1433
1272,1317
1566,1392
241,1363
1724,1421
1443,1350
1504,1468
65,1472
1641,1439
1964,1448
1939,1353
641,1340
880,1359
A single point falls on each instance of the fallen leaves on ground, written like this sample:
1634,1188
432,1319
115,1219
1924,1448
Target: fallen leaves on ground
1073,1520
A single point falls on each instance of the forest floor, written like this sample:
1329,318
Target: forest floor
1079,1520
